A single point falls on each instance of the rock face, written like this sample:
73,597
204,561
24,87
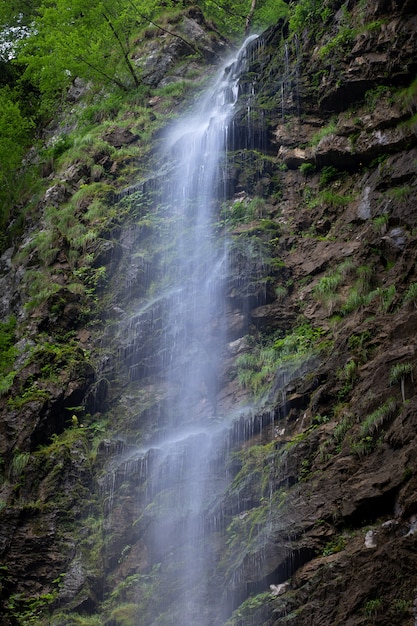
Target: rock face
318,522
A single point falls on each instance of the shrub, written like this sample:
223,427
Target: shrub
306,168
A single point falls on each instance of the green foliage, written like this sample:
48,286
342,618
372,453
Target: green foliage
40,288
74,619
373,96
334,546
360,294
379,223
400,193
231,17
256,370
248,609
340,43
91,40
330,129
411,295
371,427
334,199
363,446
398,374
399,371
326,289
18,465
131,600
408,97
177,89
358,343
308,14
348,376
15,133
256,462
386,296
355,299
326,197
342,428
372,608
31,393
306,168
401,606
328,174
374,422
126,614
8,353
241,211
54,357
29,611
281,293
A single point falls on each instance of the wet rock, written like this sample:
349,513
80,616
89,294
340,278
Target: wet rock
119,137
73,581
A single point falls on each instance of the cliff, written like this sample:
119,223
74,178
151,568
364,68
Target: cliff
316,522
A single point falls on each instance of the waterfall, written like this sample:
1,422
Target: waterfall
185,462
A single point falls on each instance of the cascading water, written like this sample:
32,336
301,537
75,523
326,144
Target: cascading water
185,464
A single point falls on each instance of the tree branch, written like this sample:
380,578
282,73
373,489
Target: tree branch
124,52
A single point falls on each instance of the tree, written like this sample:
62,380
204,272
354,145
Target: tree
84,38
239,17
14,136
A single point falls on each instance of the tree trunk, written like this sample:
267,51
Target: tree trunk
248,22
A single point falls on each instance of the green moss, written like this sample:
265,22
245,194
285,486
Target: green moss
257,465
251,610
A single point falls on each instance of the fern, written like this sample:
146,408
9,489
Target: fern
374,422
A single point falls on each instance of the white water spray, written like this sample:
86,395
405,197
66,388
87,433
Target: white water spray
187,469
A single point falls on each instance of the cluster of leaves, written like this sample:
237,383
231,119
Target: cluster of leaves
29,611
256,370
241,211
309,14
15,132
234,17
